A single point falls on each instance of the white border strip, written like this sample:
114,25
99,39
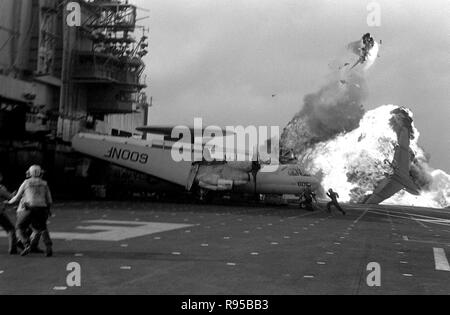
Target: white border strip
440,259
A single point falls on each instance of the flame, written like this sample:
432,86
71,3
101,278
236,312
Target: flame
353,163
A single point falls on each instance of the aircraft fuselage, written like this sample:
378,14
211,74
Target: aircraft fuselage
156,160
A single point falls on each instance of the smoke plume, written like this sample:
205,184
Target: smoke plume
336,108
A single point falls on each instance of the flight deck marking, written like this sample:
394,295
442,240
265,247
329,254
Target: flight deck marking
115,231
440,259
125,268
420,223
360,217
420,219
429,242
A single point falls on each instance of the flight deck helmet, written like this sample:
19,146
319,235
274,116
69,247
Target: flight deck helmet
34,171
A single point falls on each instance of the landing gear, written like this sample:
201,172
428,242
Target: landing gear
204,196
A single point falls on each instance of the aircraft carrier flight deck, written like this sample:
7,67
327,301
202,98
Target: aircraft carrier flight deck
190,249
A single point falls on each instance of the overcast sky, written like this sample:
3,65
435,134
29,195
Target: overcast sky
222,60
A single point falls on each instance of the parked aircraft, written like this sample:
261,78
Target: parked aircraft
155,158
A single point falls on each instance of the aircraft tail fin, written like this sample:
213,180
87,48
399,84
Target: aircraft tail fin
408,184
401,178
137,155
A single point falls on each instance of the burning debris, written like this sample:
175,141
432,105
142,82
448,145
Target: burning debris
367,49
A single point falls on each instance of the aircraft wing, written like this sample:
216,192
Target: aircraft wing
157,130
167,130
386,189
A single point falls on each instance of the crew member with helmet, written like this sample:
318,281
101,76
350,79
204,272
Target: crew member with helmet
36,198
307,198
334,201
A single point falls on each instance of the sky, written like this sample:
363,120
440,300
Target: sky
223,60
